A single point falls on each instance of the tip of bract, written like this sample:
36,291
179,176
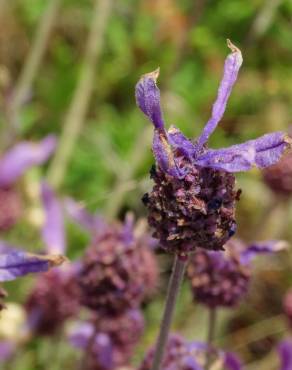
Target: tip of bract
232,47
152,75
54,260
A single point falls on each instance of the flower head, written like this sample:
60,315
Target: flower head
114,339
184,355
118,270
192,203
222,278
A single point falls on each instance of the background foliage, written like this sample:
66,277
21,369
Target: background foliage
108,164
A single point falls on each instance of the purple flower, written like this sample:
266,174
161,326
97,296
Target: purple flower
184,355
55,296
285,352
193,200
22,157
113,339
118,270
13,164
222,278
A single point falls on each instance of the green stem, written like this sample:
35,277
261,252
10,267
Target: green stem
172,293
76,113
210,335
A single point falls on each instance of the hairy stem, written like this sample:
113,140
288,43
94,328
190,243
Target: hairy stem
172,293
210,335
77,110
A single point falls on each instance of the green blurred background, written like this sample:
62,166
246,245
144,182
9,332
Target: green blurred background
69,67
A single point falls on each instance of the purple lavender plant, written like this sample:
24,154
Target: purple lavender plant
192,203
55,296
13,165
113,339
221,279
183,355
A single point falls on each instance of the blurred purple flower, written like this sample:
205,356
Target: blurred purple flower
113,339
222,278
193,200
285,352
183,355
22,156
55,296
53,233
13,164
77,212
118,270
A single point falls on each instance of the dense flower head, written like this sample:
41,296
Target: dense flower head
279,176
54,298
192,203
197,211
183,355
222,278
287,306
118,270
113,339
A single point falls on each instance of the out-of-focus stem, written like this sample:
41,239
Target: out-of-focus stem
210,335
33,60
76,113
172,293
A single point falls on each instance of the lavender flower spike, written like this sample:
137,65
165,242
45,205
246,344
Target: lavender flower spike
192,203
23,156
16,264
53,229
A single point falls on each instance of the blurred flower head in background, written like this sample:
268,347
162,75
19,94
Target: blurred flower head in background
184,355
221,279
13,164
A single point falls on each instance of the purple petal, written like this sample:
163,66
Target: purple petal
255,249
6,248
232,159
81,334
261,152
79,214
231,361
53,232
231,68
104,351
15,264
163,154
148,98
179,141
23,156
128,229
285,352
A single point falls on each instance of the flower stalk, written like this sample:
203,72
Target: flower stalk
172,293
210,335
